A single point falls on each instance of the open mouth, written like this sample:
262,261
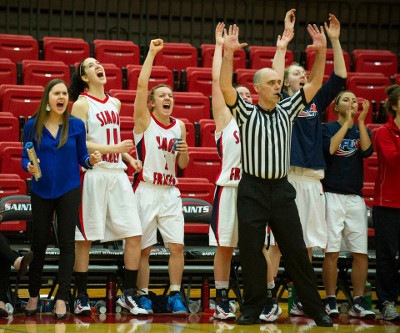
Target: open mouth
302,84
100,75
166,106
60,105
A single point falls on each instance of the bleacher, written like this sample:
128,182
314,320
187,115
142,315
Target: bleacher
26,65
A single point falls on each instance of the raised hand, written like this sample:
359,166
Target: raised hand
95,158
232,39
290,19
156,45
219,33
364,112
333,30
283,41
318,37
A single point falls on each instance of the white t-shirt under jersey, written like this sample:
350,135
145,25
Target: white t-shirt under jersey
154,147
103,127
228,145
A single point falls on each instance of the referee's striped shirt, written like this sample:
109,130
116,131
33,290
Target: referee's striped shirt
266,135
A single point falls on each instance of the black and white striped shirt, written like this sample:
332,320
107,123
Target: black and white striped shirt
266,135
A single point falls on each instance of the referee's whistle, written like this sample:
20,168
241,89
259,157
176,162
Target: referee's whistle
30,149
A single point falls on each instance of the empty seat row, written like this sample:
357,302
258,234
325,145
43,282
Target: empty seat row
177,55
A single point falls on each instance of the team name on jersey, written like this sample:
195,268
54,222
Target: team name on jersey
235,174
165,145
348,147
237,138
310,112
18,206
163,179
108,117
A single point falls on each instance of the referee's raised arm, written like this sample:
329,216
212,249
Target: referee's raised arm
231,44
317,71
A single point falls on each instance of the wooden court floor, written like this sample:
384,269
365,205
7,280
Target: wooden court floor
163,323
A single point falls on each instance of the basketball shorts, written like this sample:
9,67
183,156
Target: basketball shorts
224,220
346,216
160,207
109,210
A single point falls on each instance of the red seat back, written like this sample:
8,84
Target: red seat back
204,163
117,52
10,159
67,50
18,47
381,61
245,78
262,56
207,55
329,65
8,71
159,75
38,72
177,56
192,106
207,133
199,80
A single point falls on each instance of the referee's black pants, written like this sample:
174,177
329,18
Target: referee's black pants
261,202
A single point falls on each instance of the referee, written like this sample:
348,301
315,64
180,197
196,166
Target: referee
264,194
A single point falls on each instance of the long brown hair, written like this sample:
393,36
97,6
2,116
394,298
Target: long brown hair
393,93
41,116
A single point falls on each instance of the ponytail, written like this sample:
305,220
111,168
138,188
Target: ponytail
77,85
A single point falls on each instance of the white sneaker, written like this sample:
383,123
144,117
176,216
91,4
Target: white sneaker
360,309
297,309
331,307
271,311
389,311
223,310
82,305
130,301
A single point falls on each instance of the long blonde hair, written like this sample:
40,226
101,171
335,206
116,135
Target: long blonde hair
41,116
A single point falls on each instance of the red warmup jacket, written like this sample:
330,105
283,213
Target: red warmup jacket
387,184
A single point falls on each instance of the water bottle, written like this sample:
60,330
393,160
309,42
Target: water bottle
205,294
30,149
100,307
291,295
344,308
9,308
368,295
194,307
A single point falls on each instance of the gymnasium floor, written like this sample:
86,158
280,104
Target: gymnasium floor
161,323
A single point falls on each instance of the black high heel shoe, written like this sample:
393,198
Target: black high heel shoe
30,313
59,316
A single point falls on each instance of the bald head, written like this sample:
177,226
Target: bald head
263,72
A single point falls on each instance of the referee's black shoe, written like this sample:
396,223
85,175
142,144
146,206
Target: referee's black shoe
323,319
246,319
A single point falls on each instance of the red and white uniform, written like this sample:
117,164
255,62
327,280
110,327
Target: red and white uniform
109,210
159,201
224,222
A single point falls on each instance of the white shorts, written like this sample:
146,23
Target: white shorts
160,207
310,202
109,210
224,221
346,216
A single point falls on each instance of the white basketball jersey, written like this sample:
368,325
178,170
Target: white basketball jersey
228,145
103,128
154,148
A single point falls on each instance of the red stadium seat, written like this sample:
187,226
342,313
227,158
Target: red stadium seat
18,47
117,52
159,75
127,98
126,128
191,105
196,188
9,127
12,184
245,78
10,159
177,56
372,87
8,71
68,50
190,132
204,162
114,77
207,133
331,115
262,56
381,61
207,54
368,192
20,100
370,168
38,72
329,66
199,79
